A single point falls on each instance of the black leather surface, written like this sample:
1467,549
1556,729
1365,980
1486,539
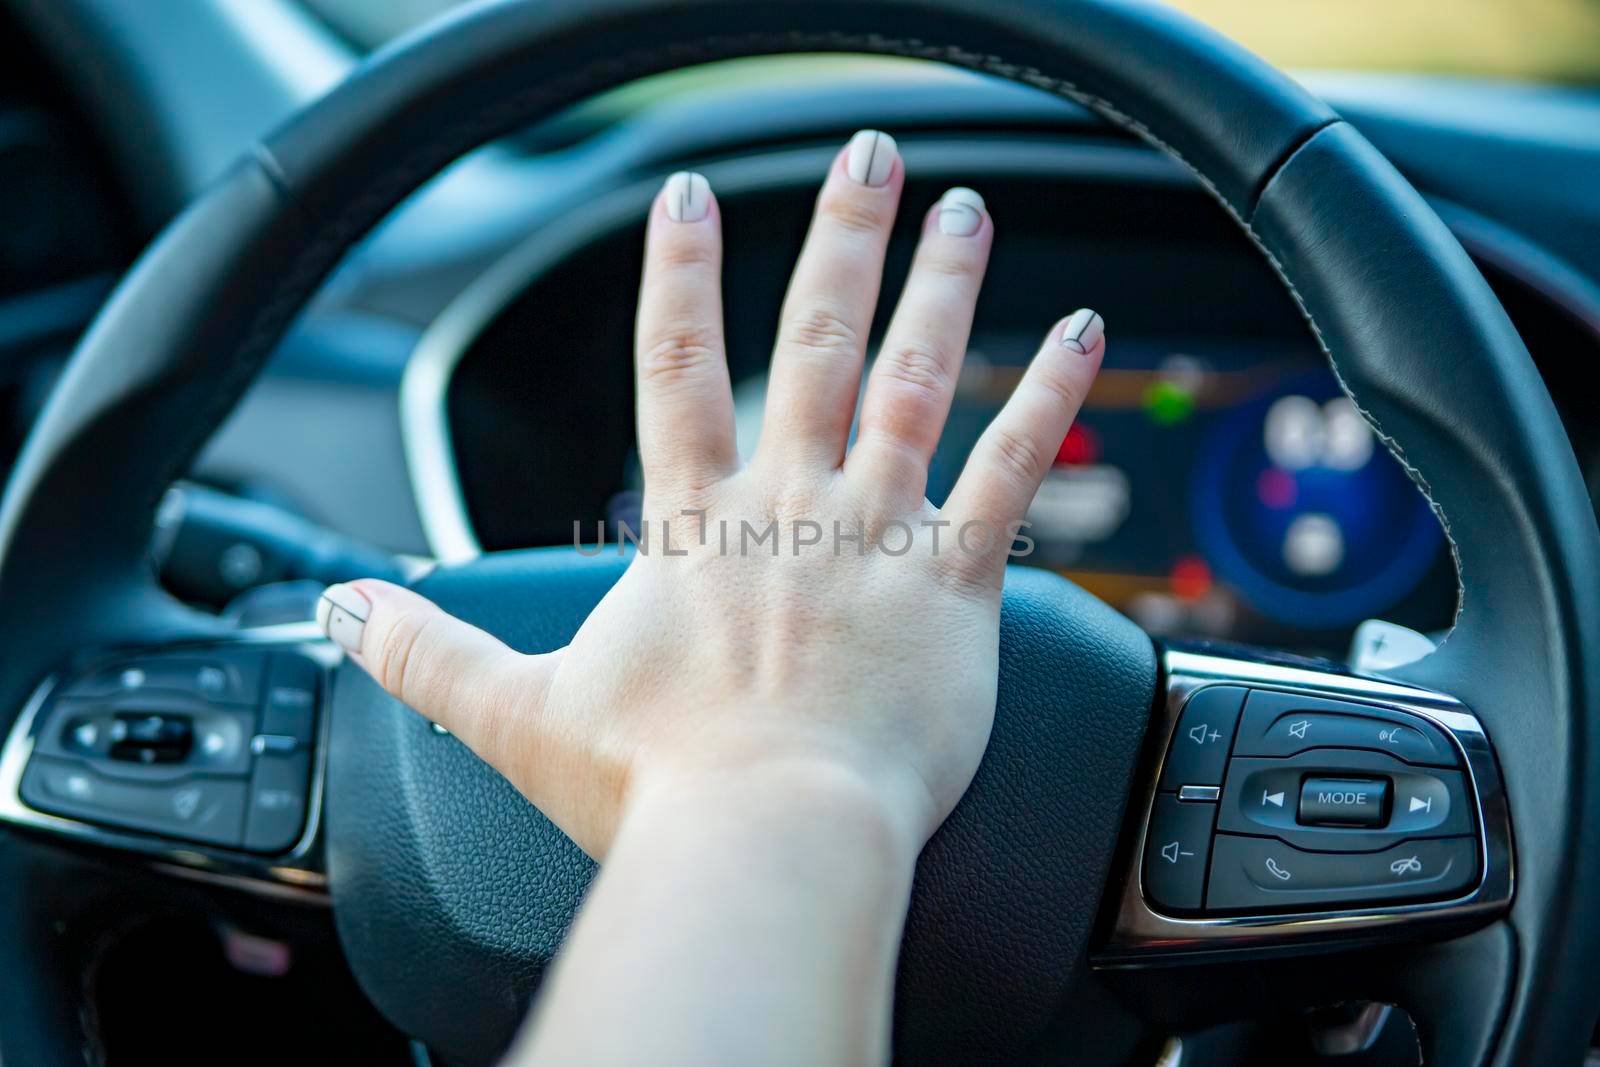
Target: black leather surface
460,889
1416,335
1430,356
448,880
1007,889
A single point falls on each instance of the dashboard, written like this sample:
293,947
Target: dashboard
1217,485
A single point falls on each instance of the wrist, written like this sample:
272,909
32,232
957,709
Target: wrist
825,807
784,882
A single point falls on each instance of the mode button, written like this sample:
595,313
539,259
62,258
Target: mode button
1344,801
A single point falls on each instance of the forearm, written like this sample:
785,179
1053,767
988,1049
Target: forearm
778,898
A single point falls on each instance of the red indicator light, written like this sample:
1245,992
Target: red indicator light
1190,578
1079,448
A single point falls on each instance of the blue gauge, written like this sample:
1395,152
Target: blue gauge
1299,507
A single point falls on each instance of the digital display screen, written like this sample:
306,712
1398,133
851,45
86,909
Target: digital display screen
1226,490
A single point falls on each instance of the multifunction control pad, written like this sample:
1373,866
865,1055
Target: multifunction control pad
1274,802
212,747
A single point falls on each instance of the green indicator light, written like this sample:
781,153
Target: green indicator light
1168,403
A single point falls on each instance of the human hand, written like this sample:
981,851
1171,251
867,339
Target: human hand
835,666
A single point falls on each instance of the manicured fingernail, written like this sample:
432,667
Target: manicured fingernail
1083,331
688,196
960,212
342,613
871,158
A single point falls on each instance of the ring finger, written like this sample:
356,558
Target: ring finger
914,377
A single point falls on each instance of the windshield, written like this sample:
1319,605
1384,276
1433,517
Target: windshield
1542,40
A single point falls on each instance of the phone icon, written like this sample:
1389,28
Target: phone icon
1277,872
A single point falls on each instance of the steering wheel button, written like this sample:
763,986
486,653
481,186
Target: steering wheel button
86,735
230,677
151,737
1269,797
1264,874
1423,804
277,801
196,809
1198,752
1177,845
1344,801
1282,724
289,708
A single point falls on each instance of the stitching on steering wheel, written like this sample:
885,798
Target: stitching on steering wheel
1394,447
334,238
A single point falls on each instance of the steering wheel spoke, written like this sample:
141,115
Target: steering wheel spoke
207,759
1309,840
1296,808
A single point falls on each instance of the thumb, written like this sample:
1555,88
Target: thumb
452,672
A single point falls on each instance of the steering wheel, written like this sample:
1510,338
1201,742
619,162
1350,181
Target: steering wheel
1039,921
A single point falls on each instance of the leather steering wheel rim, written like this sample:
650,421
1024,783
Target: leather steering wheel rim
1409,326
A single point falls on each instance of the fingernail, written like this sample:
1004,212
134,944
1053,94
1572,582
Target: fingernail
1083,331
342,613
960,212
871,158
688,196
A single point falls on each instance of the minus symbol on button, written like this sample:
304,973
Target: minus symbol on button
1170,853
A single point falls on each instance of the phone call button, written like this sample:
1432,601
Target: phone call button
1263,873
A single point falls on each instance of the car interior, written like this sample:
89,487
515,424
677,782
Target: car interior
1297,749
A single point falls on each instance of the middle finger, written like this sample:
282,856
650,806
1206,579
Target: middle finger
827,314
